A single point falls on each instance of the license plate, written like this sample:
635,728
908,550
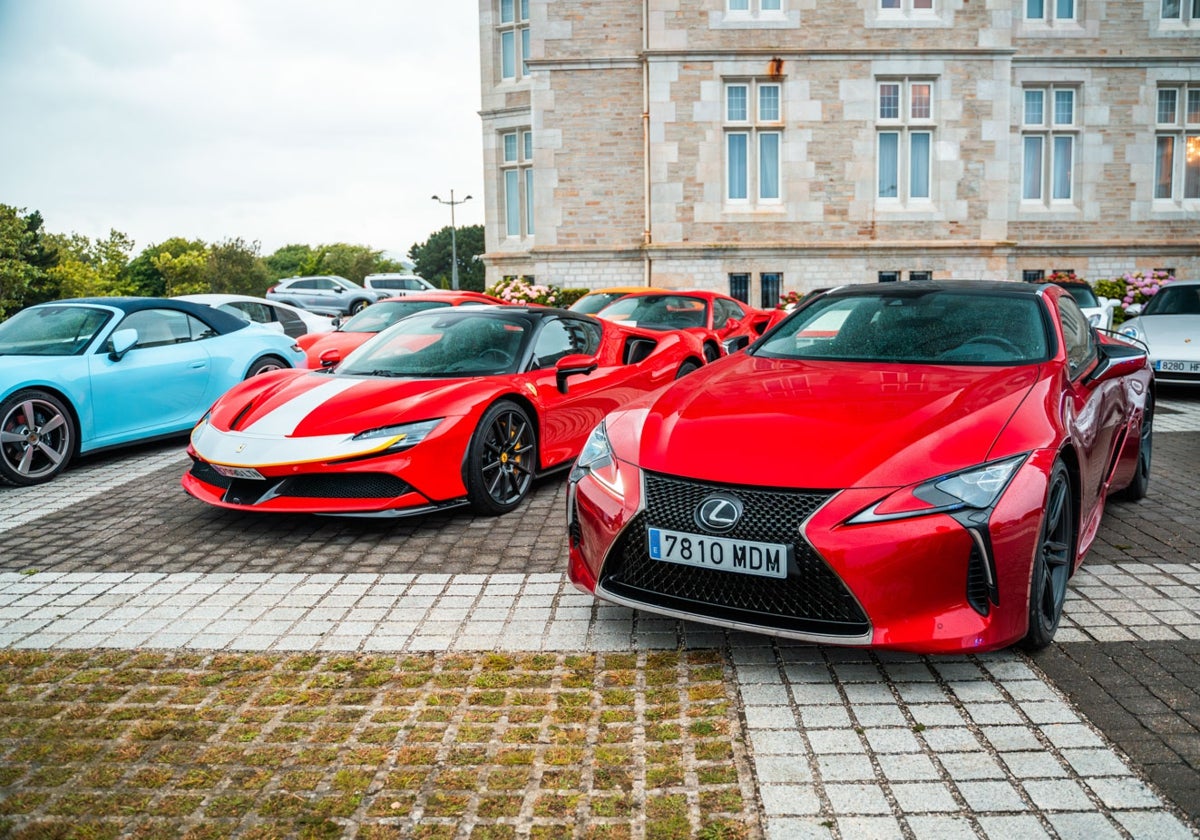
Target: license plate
1171,366
707,552
238,472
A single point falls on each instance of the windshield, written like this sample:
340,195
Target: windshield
379,317
1174,300
443,344
939,327
592,303
658,312
51,331
1084,296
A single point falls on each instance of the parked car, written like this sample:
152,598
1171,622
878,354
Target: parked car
328,349
328,294
721,322
447,407
1169,325
88,374
289,320
1099,310
597,299
919,466
398,284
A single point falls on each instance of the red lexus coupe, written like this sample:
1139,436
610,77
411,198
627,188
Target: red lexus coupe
918,466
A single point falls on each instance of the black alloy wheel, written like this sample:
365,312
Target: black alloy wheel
357,306
37,438
1052,562
502,459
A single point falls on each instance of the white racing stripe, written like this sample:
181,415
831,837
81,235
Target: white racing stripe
283,421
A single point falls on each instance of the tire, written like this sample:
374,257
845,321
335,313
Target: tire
35,451
265,365
1136,491
690,366
711,353
357,306
501,459
1052,562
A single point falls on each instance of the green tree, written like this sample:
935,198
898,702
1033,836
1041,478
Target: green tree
235,267
288,261
183,274
89,269
433,258
27,254
145,278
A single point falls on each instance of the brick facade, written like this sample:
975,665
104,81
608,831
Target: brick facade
626,105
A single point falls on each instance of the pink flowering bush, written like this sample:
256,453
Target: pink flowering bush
520,290
1140,287
789,299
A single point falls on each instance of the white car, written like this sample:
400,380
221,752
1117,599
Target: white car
1099,310
398,284
289,320
1169,324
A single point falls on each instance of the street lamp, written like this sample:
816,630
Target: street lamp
453,238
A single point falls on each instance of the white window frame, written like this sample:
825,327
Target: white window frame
906,8
1056,139
1183,12
1050,12
758,125
516,182
1177,127
906,136
755,8
512,36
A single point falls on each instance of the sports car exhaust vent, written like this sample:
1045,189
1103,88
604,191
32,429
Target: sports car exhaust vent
233,425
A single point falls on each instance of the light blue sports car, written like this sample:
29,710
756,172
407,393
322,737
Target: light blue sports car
81,375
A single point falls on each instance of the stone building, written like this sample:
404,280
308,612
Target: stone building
759,146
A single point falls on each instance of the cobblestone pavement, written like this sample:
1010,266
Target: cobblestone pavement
1098,736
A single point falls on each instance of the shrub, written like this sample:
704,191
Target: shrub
520,290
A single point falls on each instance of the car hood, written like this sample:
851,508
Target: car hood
1168,335
828,425
300,404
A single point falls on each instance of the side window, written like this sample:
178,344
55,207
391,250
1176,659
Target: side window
553,342
304,284
254,311
324,284
160,327
1077,333
585,336
724,311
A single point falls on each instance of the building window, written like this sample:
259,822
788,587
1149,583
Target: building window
517,170
889,276
1177,143
920,276
1181,11
1167,272
1050,10
1048,133
905,123
753,141
771,283
1033,275
893,7
739,287
754,7
514,39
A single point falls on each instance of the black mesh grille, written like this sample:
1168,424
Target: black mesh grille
811,599
343,486
977,586
208,475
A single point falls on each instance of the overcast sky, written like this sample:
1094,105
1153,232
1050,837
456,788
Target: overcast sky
273,120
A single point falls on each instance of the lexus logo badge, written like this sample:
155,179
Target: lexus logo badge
719,513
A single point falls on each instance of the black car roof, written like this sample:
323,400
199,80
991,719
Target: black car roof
222,322
1006,287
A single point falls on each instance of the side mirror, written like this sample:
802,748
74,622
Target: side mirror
1115,361
731,324
337,322
1133,310
122,342
331,358
577,364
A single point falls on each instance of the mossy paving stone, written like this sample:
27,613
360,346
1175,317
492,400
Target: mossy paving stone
142,744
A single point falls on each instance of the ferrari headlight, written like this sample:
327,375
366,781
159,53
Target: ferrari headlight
978,487
597,459
406,434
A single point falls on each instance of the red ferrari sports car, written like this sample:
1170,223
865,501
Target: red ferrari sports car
447,407
721,322
328,348
919,466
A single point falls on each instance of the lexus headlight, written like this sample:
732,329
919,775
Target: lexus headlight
406,434
596,459
978,487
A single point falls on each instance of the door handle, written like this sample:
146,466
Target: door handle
197,365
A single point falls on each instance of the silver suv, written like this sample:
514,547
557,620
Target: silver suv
328,294
398,284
